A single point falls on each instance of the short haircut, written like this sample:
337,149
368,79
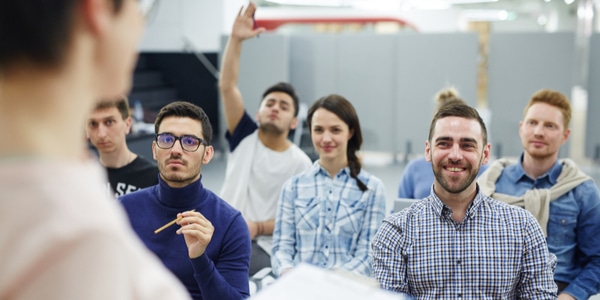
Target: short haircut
37,32
121,104
461,111
555,99
183,109
287,88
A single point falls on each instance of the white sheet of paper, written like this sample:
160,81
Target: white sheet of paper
310,282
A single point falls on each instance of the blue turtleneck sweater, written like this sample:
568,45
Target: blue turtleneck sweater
222,271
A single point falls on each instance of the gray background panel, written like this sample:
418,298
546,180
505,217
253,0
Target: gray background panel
519,65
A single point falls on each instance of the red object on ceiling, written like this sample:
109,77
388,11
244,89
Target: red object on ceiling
272,24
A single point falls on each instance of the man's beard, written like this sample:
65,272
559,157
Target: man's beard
445,184
270,128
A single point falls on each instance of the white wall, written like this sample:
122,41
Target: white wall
205,21
201,21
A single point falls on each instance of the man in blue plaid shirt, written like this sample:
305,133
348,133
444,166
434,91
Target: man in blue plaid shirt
459,243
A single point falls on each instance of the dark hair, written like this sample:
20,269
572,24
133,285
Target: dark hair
342,108
121,104
185,109
555,99
37,31
287,88
462,111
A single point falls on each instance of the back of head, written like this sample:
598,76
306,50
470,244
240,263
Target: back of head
555,99
287,88
461,111
183,109
447,96
122,105
37,32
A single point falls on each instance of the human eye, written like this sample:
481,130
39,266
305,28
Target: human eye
93,124
469,146
550,126
317,129
442,144
166,138
189,140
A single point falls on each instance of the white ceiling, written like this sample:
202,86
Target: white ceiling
548,15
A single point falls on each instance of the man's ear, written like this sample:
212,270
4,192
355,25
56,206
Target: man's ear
127,125
294,123
427,151
209,152
154,150
97,15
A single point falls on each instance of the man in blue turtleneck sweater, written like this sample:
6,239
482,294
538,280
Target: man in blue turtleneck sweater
214,235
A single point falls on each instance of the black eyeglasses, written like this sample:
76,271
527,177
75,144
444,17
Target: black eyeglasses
188,143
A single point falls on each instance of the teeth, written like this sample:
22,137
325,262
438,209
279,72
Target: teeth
454,169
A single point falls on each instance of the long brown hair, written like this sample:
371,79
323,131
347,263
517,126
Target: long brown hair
342,108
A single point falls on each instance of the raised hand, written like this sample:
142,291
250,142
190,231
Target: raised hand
244,24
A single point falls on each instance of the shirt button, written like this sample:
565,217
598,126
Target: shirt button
563,221
329,209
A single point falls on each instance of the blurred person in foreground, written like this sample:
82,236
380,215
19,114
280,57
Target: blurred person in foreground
61,236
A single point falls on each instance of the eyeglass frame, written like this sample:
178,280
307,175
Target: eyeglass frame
200,140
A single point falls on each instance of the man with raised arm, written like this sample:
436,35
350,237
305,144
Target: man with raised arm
261,156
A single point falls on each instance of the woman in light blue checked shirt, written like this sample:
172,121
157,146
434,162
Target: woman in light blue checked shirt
328,214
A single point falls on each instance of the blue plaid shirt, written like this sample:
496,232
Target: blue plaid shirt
328,222
498,251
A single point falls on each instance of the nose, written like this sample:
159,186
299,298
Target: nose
177,147
326,136
102,130
538,129
455,153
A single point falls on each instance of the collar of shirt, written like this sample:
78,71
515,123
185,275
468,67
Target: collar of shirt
517,174
443,210
317,169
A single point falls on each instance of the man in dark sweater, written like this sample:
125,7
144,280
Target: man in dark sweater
213,234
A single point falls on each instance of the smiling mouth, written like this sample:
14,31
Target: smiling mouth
454,169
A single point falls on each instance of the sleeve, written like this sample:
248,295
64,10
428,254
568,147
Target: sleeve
284,233
389,264
228,277
406,186
587,283
538,264
245,127
374,214
111,270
